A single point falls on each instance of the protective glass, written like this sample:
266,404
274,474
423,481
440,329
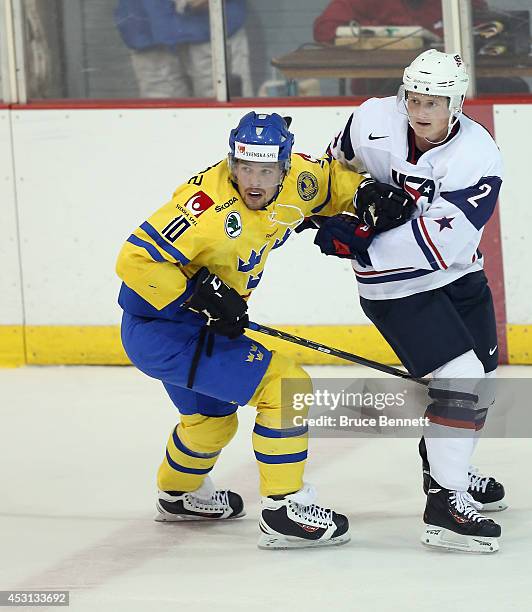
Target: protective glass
260,175
434,110
429,107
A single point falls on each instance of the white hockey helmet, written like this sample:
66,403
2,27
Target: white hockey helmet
434,73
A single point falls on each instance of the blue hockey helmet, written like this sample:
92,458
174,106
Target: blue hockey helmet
262,138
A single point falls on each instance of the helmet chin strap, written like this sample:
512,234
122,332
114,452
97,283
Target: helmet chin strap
454,116
276,194
453,120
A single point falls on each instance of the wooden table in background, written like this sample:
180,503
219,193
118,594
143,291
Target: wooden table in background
343,63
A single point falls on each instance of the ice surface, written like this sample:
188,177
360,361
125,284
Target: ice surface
79,450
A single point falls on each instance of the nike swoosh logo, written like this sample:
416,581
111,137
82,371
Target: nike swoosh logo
491,351
371,137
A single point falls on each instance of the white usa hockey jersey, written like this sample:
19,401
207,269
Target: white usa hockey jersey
455,187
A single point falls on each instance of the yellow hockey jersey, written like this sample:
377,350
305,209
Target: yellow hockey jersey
206,223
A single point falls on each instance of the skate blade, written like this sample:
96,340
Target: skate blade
279,542
166,517
497,506
438,537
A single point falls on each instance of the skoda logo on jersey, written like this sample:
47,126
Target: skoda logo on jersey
307,186
233,225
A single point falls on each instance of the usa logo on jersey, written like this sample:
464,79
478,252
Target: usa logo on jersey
417,187
199,203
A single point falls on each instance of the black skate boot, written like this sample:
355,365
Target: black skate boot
452,522
483,489
293,521
486,490
204,504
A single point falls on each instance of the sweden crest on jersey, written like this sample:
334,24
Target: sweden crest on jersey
307,186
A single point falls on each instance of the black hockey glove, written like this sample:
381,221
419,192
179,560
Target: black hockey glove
312,222
382,206
344,236
225,309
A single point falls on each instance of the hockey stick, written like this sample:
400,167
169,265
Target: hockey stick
276,333
329,350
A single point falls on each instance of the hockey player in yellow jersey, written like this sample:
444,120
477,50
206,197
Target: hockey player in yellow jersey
187,274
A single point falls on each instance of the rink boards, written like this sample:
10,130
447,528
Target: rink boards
75,182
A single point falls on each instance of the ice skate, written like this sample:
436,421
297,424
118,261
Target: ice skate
452,521
483,489
204,504
486,490
294,521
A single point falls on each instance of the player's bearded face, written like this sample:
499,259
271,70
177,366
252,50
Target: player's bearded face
257,182
429,115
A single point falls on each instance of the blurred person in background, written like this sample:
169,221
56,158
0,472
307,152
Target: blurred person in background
171,49
426,14
423,13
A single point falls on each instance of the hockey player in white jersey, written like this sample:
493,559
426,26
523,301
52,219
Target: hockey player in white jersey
422,283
